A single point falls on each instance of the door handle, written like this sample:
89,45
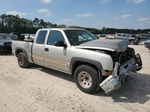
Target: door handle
46,49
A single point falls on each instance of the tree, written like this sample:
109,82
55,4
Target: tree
11,23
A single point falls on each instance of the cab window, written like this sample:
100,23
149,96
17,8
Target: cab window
54,36
41,37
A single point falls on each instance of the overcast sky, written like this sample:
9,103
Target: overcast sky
88,13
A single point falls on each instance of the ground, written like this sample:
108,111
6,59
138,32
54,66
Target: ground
40,89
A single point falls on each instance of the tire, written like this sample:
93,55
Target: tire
22,60
87,79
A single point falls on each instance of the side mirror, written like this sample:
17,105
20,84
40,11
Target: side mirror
60,44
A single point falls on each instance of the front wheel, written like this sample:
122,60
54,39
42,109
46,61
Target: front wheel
87,78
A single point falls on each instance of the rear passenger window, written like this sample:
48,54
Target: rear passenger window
41,37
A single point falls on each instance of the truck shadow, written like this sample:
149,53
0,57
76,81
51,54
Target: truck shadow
55,73
6,54
136,89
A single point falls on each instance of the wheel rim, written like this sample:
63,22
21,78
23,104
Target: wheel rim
85,79
20,60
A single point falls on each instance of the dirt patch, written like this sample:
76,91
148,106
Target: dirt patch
39,89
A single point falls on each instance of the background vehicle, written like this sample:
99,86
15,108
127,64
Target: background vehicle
99,36
147,44
132,39
79,53
5,43
144,37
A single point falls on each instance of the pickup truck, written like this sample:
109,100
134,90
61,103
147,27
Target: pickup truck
94,63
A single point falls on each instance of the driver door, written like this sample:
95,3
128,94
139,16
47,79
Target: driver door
56,56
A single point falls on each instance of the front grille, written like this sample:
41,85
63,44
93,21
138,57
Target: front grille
123,57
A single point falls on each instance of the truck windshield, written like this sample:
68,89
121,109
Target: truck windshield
77,37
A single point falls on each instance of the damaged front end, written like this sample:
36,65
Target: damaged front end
120,72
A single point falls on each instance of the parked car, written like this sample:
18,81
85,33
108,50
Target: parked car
144,37
132,39
110,36
100,36
95,63
5,43
147,44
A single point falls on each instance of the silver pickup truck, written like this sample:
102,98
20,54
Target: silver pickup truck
94,63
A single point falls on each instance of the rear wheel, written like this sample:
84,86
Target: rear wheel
87,78
22,60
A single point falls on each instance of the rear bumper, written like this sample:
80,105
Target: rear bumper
114,81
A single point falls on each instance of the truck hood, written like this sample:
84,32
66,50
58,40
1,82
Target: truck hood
109,45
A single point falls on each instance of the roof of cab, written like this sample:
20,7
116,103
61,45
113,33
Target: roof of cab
61,29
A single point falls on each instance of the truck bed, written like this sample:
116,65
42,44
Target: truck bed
26,46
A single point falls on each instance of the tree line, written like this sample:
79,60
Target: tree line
11,23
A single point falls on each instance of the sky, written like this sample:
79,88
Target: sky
131,14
